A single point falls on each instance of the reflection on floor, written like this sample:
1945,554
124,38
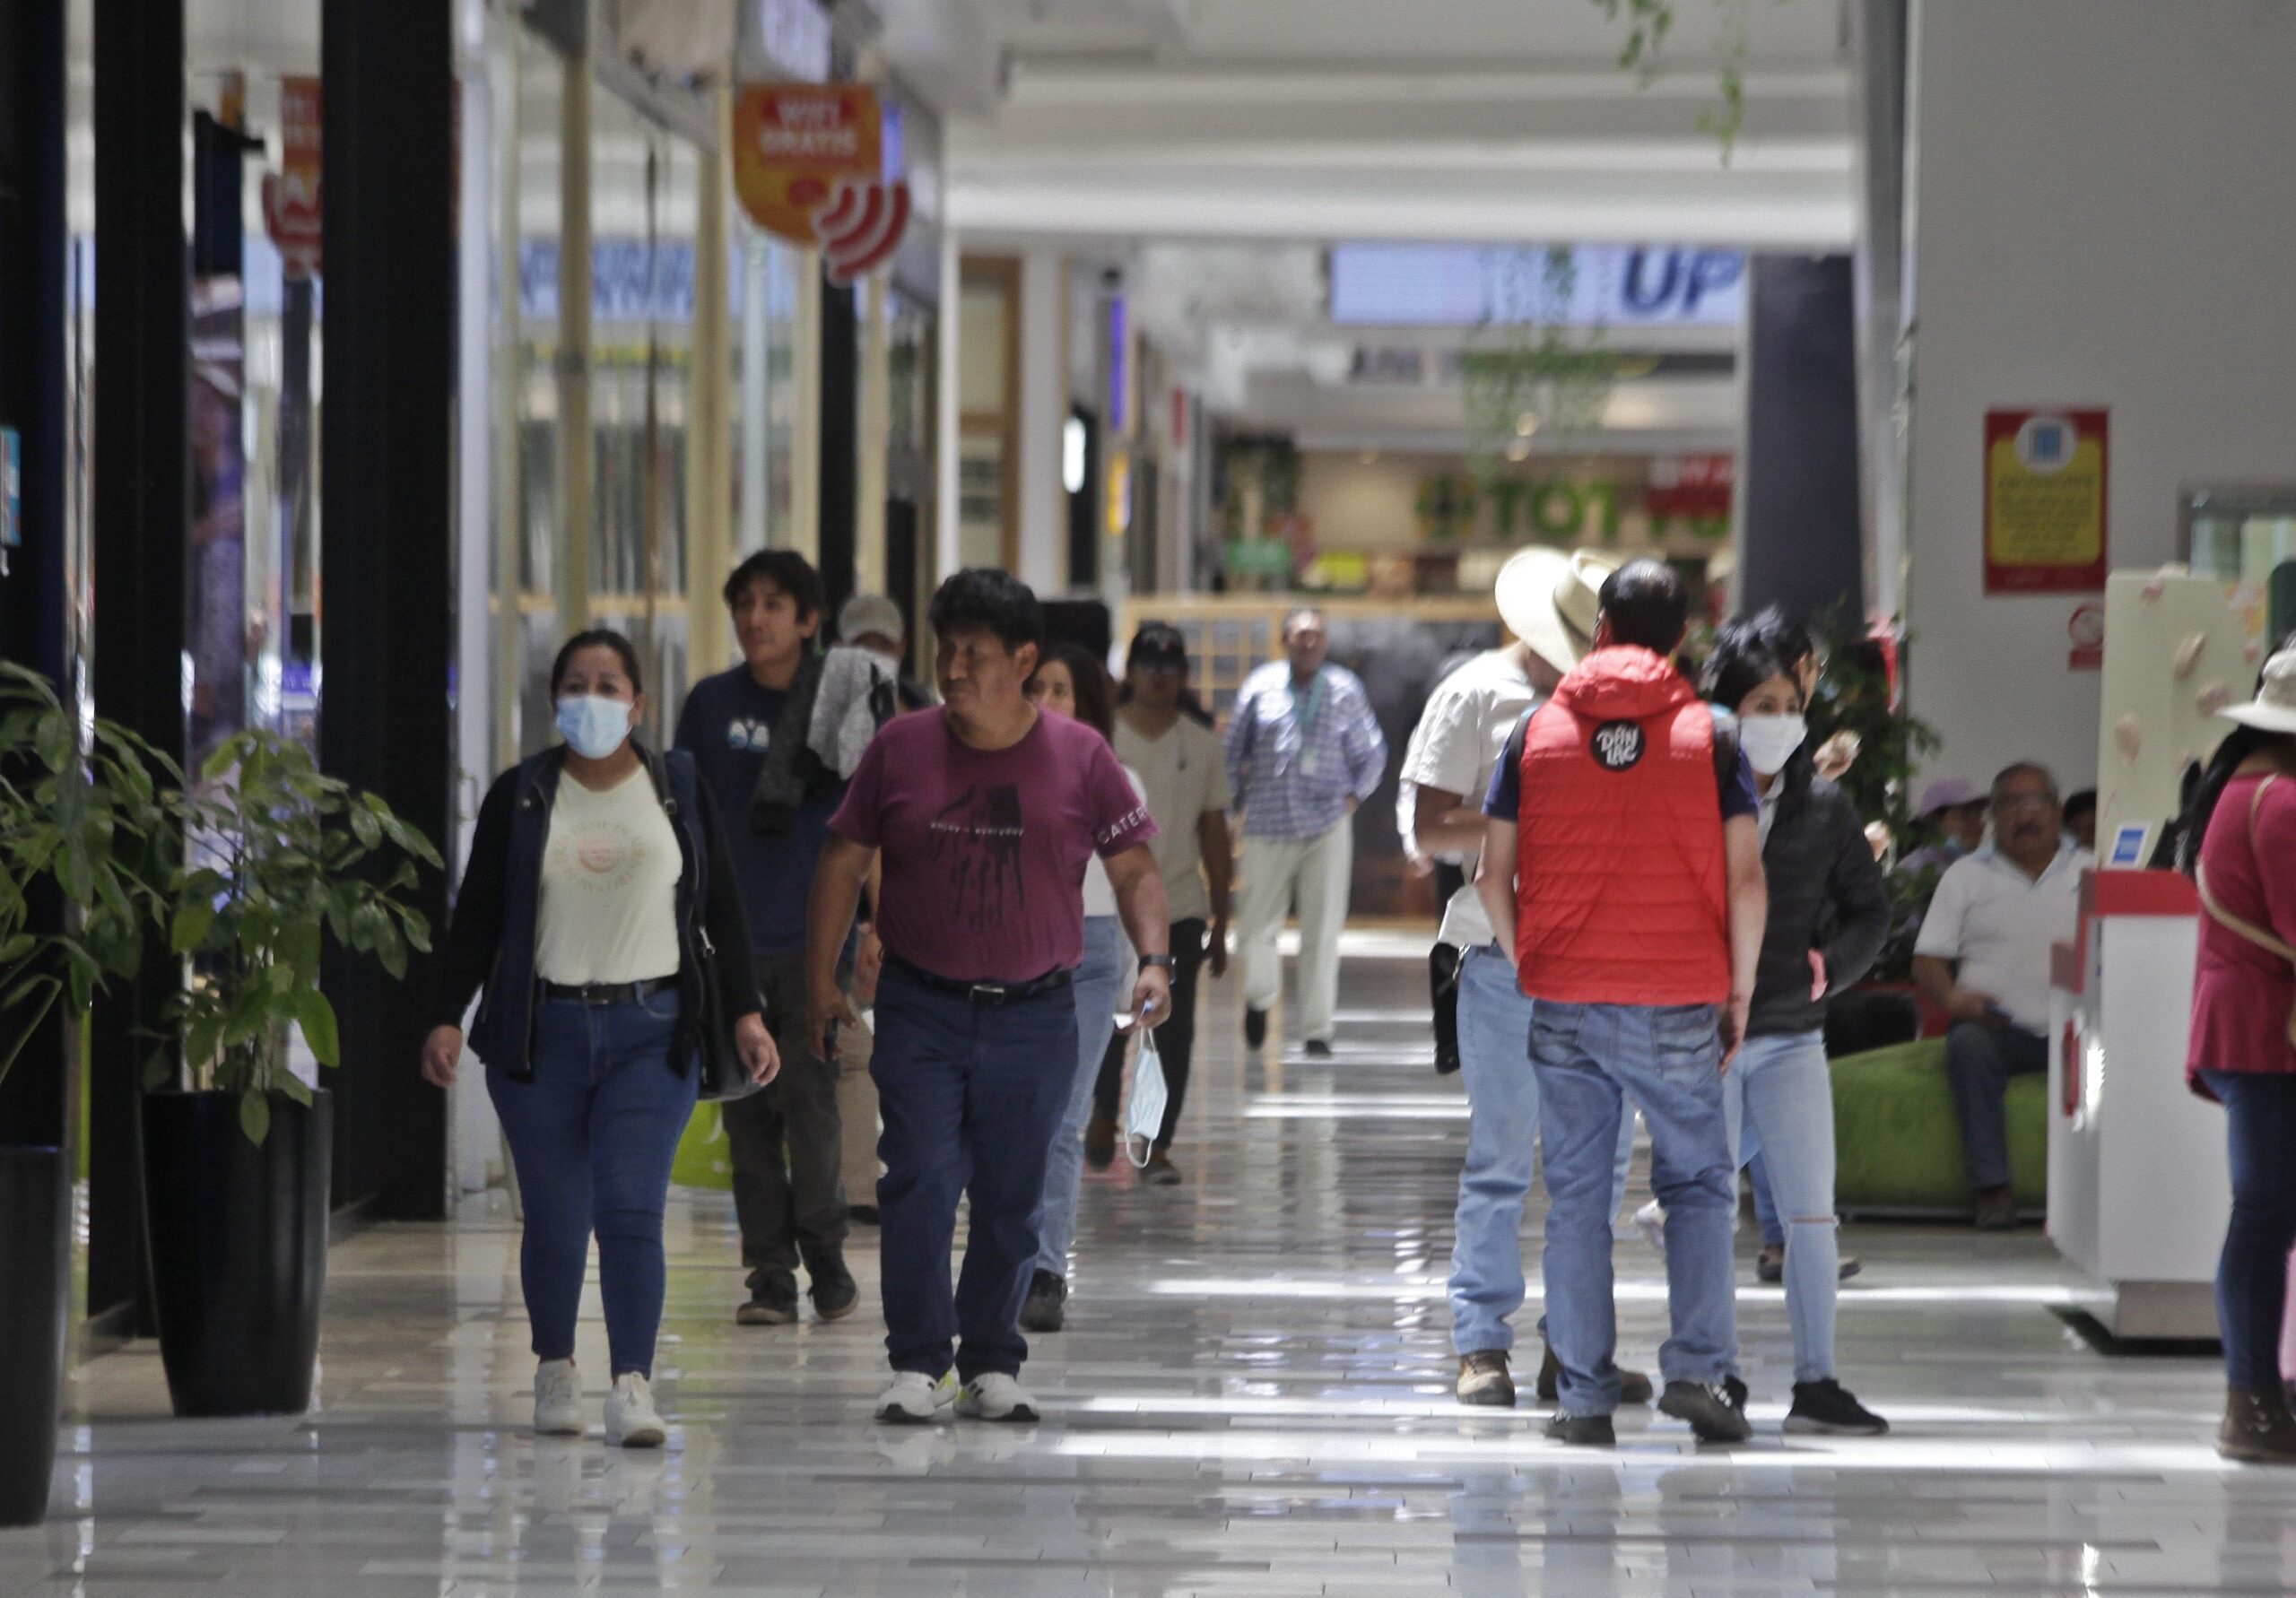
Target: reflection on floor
1252,1399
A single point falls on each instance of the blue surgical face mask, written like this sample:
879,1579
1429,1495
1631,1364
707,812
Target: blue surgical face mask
592,726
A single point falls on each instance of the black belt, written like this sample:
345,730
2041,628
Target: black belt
609,993
980,993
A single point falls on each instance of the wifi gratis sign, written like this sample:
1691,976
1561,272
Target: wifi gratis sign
809,165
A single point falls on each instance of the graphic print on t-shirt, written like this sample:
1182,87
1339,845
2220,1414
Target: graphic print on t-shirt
608,853
743,733
977,835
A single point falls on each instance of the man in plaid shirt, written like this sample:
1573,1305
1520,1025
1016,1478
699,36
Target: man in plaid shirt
1303,750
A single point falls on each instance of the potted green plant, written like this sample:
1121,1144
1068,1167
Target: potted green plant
88,829
238,1147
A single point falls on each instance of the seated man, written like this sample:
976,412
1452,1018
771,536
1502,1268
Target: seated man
1983,958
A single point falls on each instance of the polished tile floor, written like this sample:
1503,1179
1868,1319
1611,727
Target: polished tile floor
1252,1399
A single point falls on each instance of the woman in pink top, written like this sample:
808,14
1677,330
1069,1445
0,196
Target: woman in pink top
2243,1050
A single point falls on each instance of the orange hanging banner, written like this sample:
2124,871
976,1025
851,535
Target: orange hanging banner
795,143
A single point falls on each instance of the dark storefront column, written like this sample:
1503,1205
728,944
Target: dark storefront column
1802,545
386,539
141,489
840,414
32,591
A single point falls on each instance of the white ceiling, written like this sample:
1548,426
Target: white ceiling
1328,119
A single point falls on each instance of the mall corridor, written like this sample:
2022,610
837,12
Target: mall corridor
1252,1398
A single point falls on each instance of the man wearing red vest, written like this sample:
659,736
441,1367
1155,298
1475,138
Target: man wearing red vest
1623,855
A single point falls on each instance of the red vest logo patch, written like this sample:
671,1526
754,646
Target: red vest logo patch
1617,746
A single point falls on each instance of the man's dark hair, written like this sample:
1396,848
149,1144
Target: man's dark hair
982,599
1646,605
1784,636
598,638
2082,803
2022,769
786,570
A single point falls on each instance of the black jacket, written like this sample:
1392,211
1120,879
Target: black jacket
490,940
1826,893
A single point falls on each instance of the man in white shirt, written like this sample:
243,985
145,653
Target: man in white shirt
1983,958
1548,600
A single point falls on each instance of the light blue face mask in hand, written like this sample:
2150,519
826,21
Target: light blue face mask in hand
592,726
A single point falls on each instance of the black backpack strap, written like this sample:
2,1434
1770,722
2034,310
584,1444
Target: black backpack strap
1726,747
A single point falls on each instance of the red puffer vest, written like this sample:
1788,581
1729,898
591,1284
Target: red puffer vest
1619,866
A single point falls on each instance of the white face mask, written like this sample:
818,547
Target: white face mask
1771,741
593,726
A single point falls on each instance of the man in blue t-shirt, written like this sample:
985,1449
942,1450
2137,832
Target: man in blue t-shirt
786,1139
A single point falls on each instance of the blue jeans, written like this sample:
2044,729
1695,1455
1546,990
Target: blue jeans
1980,1061
592,1136
2252,1273
1097,981
970,1095
1773,1229
1589,1058
1502,1140
1778,1097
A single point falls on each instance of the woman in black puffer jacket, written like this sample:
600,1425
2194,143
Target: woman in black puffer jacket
1828,914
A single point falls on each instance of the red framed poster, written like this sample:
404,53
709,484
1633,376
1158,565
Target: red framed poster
2045,501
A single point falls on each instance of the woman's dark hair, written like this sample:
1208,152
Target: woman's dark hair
786,570
1784,635
597,637
2082,803
1095,694
2240,743
1742,662
982,599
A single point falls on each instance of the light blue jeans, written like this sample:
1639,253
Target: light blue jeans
1095,987
1502,1141
1589,1058
1779,1098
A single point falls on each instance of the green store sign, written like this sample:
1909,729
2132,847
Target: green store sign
1543,511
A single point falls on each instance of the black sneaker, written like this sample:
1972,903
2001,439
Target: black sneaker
1633,1385
864,1215
1770,1264
1715,1413
1484,1380
1318,1048
772,1302
1047,1308
1827,1406
1254,1026
1582,1431
834,1291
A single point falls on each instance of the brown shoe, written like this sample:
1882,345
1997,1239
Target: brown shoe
2258,1427
1996,1210
1484,1380
1100,1142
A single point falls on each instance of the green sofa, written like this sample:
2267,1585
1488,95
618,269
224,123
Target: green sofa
1898,1142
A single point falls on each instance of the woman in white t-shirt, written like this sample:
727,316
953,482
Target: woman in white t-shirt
1072,683
596,887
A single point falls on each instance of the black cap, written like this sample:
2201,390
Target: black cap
1158,643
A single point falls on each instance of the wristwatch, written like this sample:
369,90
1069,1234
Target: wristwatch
1164,960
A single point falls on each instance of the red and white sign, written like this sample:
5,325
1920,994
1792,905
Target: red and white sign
796,143
1691,487
2087,631
861,227
290,195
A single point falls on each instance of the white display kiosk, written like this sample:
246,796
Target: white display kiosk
2138,1190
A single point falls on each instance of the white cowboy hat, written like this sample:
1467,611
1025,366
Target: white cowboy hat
2274,709
1550,598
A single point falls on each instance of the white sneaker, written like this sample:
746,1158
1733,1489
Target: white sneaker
558,1400
1650,1221
631,1420
997,1397
915,1398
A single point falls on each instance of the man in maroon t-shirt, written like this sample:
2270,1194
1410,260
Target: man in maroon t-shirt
984,813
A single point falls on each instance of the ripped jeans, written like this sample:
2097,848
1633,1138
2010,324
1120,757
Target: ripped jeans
1778,1097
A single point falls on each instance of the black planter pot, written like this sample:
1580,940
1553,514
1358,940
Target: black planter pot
238,1236
35,1278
